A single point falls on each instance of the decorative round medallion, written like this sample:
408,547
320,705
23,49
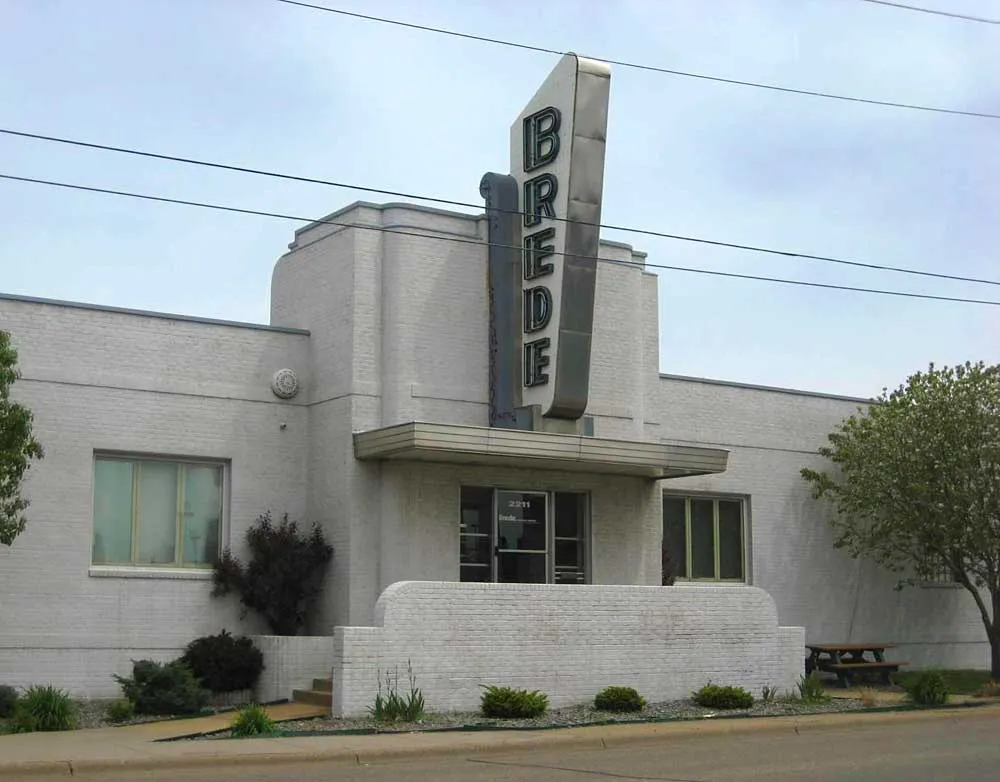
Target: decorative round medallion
285,384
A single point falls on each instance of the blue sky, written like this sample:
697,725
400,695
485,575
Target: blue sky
258,83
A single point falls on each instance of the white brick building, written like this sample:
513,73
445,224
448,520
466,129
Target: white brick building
165,439
357,315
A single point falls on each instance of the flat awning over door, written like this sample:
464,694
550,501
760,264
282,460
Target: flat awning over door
426,442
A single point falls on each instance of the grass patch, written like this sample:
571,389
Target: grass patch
958,682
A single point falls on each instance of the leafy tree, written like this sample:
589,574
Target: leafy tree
17,447
283,577
917,483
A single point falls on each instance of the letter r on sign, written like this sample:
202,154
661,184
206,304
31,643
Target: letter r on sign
539,193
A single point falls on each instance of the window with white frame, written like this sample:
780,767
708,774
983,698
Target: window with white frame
704,537
157,512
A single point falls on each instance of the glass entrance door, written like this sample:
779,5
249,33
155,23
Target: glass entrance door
522,537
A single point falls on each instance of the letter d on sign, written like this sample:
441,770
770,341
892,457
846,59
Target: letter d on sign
537,308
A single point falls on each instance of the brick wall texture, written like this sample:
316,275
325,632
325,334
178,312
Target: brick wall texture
568,641
397,332
291,662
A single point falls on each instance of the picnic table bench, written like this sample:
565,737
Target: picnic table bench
847,660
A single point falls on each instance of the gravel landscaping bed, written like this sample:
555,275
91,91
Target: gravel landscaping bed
556,718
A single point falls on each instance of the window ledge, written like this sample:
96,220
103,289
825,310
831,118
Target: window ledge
939,585
127,571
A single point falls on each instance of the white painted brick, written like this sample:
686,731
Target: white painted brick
290,663
103,380
398,332
772,435
568,641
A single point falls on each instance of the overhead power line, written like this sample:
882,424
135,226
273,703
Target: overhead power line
640,66
951,14
478,243
451,202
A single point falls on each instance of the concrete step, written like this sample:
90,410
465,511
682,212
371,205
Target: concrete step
315,697
323,685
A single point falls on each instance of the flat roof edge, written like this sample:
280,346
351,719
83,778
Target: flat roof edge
80,305
386,206
773,389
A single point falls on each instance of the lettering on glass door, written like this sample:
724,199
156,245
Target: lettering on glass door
526,537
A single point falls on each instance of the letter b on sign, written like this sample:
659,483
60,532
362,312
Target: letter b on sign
541,138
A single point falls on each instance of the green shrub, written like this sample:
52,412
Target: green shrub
283,577
928,688
223,663
509,703
619,699
390,706
768,694
163,688
43,709
120,710
713,696
252,720
811,689
8,699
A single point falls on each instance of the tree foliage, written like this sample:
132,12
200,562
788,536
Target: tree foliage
283,577
916,483
17,447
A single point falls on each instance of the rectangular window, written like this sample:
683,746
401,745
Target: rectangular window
704,538
526,537
157,512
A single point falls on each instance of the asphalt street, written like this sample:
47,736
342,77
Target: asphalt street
965,748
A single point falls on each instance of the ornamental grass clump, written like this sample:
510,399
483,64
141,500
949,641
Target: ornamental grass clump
252,720
43,709
391,706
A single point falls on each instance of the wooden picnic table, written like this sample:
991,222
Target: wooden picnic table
848,659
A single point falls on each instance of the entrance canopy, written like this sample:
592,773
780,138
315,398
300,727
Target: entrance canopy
425,442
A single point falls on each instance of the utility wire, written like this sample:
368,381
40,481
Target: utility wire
963,17
479,243
450,202
639,66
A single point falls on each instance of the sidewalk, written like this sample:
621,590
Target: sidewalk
176,729
116,748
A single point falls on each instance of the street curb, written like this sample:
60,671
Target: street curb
595,737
